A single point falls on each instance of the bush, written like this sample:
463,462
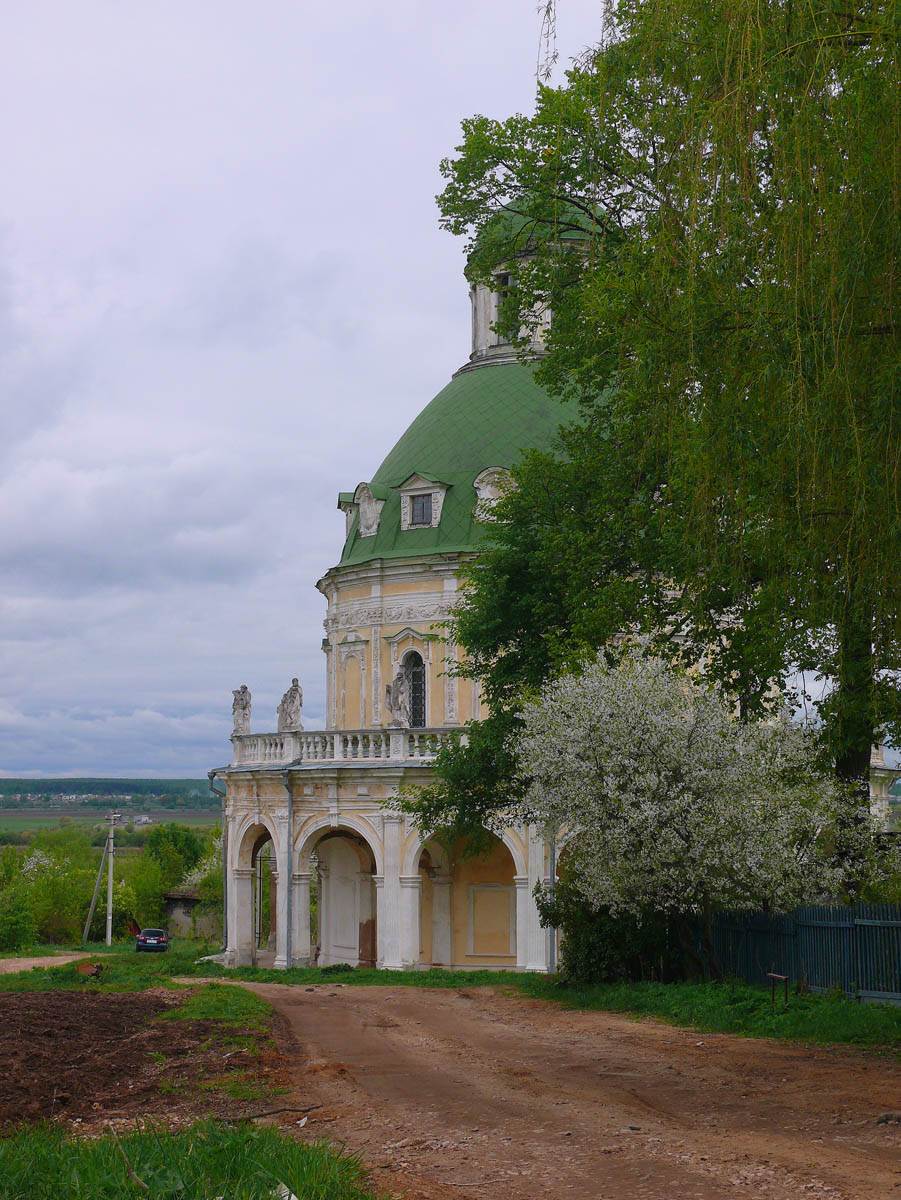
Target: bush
17,927
599,947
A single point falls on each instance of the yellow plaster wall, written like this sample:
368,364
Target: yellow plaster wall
353,718
424,583
495,908
363,592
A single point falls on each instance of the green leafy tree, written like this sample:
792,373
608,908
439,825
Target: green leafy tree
176,849
17,925
710,208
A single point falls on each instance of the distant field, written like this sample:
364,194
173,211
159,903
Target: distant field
23,822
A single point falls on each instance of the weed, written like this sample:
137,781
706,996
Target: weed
204,1161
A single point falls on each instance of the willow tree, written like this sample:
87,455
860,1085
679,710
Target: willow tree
710,206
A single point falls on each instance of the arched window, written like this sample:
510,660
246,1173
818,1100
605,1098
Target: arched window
414,671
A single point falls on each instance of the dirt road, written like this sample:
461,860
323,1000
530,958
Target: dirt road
480,1094
10,966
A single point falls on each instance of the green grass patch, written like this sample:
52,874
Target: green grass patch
123,971
820,1017
240,1086
204,1162
232,1006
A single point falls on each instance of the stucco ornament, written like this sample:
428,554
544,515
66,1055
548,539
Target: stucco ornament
397,700
289,709
370,510
490,486
674,804
241,709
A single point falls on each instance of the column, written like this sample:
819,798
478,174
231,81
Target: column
388,918
241,916
410,916
442,928
284,866
537,943
300,919
523,899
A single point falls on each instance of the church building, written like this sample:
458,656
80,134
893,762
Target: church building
310,811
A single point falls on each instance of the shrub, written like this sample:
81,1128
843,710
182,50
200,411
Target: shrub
17,927
601,948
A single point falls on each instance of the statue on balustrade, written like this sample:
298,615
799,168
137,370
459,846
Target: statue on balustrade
397,700
241,709
289,709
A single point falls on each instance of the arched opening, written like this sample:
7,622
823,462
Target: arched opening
414,674
435,924
265,882
344,926
483,909
254,902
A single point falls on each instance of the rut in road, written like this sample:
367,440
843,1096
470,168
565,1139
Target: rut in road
486,1094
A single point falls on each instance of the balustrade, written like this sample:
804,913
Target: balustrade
340,745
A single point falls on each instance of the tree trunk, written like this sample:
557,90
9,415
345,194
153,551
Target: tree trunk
713,962
855,731
694,964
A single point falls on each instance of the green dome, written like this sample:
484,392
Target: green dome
485,417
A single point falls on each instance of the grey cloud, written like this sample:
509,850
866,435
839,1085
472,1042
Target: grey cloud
223,296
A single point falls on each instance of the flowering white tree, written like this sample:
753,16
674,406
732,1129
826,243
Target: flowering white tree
670,802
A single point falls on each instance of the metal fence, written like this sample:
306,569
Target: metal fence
857,948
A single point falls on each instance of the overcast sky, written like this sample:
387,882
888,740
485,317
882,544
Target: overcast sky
223,296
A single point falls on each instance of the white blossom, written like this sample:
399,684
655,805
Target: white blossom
38,862
667,801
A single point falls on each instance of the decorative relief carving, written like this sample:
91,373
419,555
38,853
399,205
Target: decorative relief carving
355,616
376,677
450,684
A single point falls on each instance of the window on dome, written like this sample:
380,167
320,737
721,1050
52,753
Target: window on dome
421,509
414,673
504,283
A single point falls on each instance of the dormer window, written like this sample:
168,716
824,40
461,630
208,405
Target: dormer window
421,501
421,509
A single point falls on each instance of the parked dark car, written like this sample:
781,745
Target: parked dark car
152,939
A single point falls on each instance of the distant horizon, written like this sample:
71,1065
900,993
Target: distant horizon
33,777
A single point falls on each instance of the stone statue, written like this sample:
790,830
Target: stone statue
289,709
241,709
397,700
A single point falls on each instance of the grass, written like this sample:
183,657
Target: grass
240,1086
824,1018
204,1162
123,971
232,1006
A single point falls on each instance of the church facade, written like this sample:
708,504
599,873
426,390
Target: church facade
314,811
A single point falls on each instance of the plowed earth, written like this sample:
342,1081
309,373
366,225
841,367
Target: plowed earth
88,1059
485,1094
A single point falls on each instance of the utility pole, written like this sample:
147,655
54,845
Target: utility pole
113,818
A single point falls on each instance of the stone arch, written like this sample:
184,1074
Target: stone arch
245,889
416,847
249,836
349,864
306,839
414,853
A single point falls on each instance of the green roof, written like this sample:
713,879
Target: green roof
485,417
